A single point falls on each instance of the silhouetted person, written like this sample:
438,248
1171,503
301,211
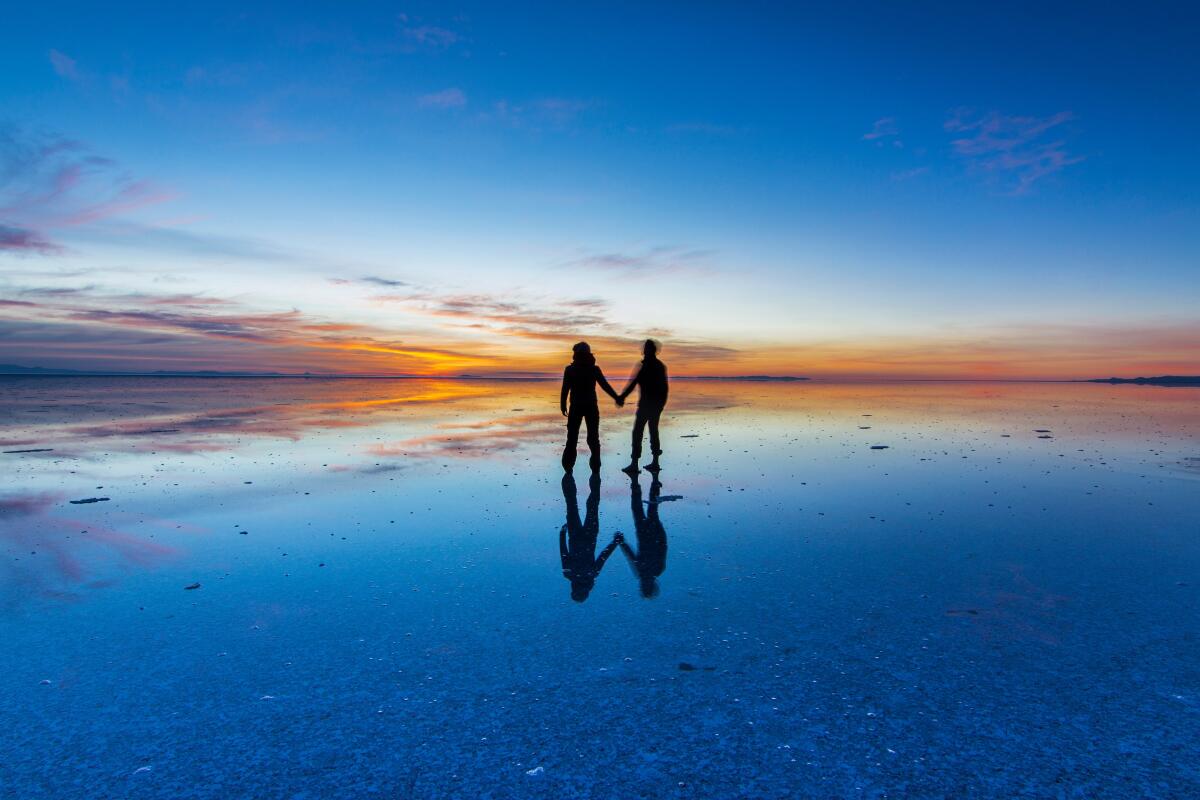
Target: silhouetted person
650,560
579,382
577,540
651,380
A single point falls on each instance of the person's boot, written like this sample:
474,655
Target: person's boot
630,469
654,466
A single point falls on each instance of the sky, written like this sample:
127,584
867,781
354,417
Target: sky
869,190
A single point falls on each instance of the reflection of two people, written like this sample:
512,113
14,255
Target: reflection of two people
577,539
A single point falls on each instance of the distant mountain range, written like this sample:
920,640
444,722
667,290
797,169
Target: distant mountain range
1161,380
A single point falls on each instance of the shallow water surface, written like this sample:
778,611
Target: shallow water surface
345,588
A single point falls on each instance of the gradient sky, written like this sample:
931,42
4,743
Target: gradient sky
858,189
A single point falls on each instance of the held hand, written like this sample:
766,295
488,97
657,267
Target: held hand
620,401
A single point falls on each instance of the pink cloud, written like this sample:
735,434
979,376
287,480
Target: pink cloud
57,183
129,197
23,240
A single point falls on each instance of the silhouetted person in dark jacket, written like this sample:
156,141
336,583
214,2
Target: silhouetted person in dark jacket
577,540
650,560
651,380
579,382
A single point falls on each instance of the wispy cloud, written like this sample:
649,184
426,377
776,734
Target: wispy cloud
551,324
53,183
447,98
375,280
566,317
370,280
24,240
709,128
652,261
554,113
422,36
909,174
64,65
884,131
361,347
1011,152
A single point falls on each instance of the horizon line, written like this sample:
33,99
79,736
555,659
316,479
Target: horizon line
56,372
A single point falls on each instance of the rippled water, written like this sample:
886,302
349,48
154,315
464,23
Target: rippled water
319,588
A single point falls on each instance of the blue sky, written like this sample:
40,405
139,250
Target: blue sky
849,189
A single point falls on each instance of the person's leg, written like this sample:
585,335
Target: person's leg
593,436
639,428
569,452
655,445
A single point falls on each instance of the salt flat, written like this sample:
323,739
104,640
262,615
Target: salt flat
347,588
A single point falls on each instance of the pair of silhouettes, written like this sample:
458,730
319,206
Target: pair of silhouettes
577,539
579,386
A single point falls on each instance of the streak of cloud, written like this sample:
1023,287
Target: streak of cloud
884,130
52,183
447,98
652,261
1011,152
23,240
64,65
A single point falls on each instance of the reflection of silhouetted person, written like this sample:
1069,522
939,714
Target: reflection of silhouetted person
651,380
579,381
650,560
577,540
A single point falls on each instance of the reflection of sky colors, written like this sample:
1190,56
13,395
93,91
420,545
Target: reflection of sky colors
375,569
178,444
54,556
845,191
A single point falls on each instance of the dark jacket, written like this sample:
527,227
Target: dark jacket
651,380
579,381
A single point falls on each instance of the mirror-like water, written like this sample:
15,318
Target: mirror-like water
321,588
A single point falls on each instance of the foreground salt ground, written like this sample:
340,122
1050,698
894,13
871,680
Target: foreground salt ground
379,607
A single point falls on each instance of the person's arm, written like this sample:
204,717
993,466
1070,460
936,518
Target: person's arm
562,544
633,380
600,379
630,556
604,554
562,397
666,385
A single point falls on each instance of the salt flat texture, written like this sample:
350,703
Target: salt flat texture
306,588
